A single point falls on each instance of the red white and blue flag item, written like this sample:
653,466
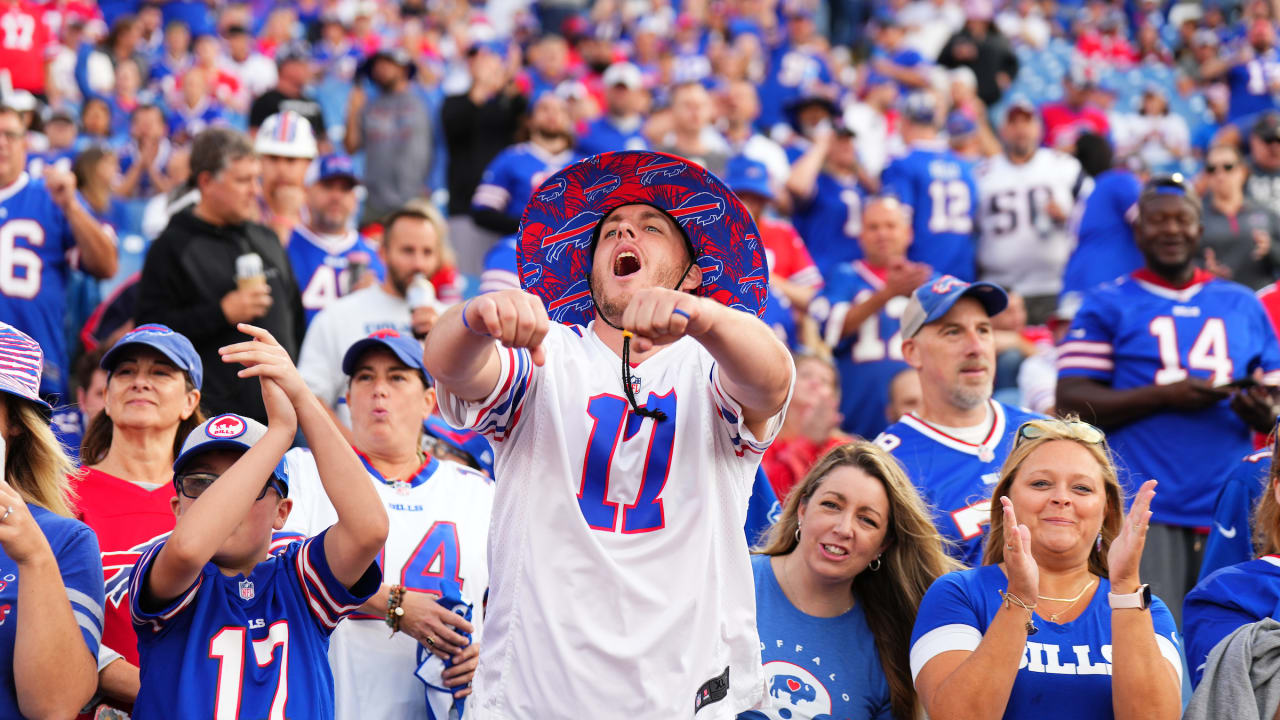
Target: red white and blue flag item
20,362
554,249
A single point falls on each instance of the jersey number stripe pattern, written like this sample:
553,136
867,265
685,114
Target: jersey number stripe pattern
608,413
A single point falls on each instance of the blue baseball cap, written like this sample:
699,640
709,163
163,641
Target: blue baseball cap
334,165
173,345
467,442
960,125
21,364
227,432
406,349
745,175
921,107
935,298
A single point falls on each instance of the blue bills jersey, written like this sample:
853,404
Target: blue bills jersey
1139,332
76,549
830,222
954,476
867,360
1230,541
605,135
1105,248
1065,671
35,250
940,188
254,647
321,263
512,176
1251,85
1232,596
795,72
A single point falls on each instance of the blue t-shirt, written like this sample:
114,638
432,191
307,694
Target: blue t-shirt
1065,670
604,135
763,509
940,188
1137,332
870,358
76,549
320,263
1105,249
815,667
830,222
1250,84
512,176
265,637
954,476
1230,540
1233,596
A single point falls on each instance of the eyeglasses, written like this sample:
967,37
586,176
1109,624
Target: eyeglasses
1073,429
1224,167
194,484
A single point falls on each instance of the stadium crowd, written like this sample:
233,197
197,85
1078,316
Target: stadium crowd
966,311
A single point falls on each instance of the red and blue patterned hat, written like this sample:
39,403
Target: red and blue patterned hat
555,248
21,360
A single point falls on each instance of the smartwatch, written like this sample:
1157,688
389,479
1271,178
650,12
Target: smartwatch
1139,600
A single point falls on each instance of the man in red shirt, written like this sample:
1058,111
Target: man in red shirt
24,40
1075,115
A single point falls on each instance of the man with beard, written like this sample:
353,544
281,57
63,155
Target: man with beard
1168,360
508,182
628,391
394,130
411,245
953,446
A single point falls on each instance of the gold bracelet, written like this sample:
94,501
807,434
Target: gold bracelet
1009,600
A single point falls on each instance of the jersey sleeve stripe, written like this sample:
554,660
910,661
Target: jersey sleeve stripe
831,329
509,400
729,411
1085,363
491,196
940,640
809,277
1271,378
85,602
312,578
1170,653
88,625
135,591
1083,347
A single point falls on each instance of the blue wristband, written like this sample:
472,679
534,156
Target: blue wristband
465,324
682,313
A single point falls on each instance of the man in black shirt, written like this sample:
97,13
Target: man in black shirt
293,67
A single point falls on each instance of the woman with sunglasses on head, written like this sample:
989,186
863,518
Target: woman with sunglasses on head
50,572
1056,623
1238,231
123,491
837,584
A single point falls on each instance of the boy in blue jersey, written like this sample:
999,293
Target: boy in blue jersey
1230,539
827,197
1156,358
223,628
509,181
859,310
619,128
954,446
324,250
44,229
940,187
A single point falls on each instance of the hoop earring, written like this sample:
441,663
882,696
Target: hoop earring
797,533
874,565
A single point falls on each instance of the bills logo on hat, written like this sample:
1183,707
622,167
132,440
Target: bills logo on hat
552,190
154,329
659,168
225,427
385,333
946,284
604,186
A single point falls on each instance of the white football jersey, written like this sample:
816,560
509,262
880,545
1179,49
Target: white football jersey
622,586
439,524
1019,245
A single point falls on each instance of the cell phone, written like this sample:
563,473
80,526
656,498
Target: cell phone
1241,384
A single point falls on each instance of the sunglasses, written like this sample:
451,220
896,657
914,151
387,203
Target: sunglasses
194,484
1074,429
1225,167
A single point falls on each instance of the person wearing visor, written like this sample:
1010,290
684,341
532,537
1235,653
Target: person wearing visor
629,391
285,146
1172,360
953,446
123,489
209,604
434,562
51,594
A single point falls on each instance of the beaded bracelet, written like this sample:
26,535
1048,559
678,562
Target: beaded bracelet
395,612
1010,600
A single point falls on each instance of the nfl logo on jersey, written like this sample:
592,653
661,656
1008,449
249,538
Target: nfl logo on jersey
246,589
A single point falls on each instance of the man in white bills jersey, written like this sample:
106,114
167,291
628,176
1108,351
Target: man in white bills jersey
629,394
434,564
1025,202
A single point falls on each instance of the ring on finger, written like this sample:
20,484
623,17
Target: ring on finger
7,512
431,641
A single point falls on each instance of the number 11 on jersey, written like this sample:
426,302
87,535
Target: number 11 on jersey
613,426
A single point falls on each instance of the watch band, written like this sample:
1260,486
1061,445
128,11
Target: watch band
1137,600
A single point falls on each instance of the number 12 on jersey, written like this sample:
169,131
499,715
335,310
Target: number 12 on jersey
613,426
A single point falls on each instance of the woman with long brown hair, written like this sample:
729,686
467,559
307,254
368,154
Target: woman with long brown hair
838,582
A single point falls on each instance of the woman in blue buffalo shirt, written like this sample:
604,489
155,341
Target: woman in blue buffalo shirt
50,572
1056,623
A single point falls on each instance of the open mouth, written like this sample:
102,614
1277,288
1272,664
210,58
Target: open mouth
627,263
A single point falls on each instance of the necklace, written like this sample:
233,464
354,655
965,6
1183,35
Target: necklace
786,572
1071,601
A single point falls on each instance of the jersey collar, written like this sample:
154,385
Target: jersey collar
15,187
874,276
419,476
1273,559
331,244
1157,285
984,451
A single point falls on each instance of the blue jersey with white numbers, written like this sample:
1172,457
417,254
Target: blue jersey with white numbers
830,222
954,476
1065,670
1139,332
512,176
795,72
1233,596
60,159
940,188
604,135
320,263
254,647
1105,249
1230,540
815,667
35,242
870,358
75,547
1250,83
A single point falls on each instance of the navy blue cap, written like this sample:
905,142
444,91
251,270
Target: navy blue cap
745,175
406,349
469,442
227,432
173,345
921,107
935,298
960,125
335,165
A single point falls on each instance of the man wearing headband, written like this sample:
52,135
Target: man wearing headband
1169,359
620,572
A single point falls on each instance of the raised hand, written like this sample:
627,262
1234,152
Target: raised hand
1019,564
20,536
263,357
61,185
1126,549
515,318
658,316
